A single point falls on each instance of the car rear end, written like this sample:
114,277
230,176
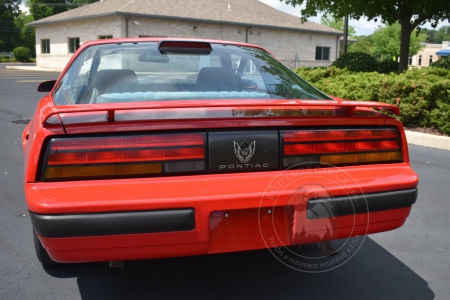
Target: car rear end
205,147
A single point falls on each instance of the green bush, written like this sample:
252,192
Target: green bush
387,66
357,62
443,62
21,53
423,95
4,57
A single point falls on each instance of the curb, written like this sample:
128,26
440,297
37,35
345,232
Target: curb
428,140
32,68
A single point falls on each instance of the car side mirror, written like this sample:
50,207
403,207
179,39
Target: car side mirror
46,86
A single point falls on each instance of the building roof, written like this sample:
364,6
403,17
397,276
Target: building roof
239,12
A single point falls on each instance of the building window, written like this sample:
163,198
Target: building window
420,60
45,46
410,60
322,53
74,44
104,37
431,59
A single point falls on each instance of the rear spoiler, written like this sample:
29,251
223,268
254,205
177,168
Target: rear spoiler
345,107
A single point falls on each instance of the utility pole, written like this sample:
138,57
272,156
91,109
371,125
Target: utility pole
344,43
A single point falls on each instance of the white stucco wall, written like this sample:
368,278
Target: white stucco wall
284,44
59,33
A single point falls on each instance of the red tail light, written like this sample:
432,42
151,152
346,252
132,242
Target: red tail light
185,47
338,147
328,135
104,157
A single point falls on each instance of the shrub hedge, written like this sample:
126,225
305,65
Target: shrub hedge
443,62
423,95
21,53
357,61
387,66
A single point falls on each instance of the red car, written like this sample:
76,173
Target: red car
150,148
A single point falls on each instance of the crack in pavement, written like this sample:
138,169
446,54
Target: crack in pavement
11,113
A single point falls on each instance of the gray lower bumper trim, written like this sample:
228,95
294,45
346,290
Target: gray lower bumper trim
349,205
97,224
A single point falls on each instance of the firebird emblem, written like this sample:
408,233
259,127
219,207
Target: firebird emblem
245,154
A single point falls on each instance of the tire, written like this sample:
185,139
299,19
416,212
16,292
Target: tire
41,253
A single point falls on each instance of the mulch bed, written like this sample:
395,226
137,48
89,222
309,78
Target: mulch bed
424,130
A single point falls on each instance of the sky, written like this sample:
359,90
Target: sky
362,26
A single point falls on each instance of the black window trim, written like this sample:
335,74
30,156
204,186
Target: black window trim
322,58
75,45
104,36
45,46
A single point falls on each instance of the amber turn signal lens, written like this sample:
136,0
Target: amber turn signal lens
98,171
360,158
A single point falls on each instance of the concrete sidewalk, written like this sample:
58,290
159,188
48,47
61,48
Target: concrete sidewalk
428,140
32,68
415,138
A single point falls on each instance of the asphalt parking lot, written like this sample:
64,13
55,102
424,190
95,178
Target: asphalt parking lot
412,262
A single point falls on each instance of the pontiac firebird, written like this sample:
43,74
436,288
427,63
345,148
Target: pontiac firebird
149,148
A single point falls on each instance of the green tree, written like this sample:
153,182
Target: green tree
364,44
9,34
40,9
337,23
408,13
429,34
27,34
44,8
84,2
386,41
443,34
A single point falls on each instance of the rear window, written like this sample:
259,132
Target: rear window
134,72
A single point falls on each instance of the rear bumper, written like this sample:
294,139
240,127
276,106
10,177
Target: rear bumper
78,225
179,216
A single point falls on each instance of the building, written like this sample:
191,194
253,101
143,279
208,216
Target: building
294,43
429,54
